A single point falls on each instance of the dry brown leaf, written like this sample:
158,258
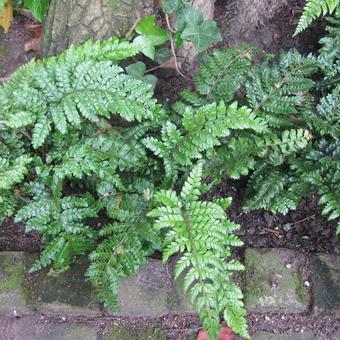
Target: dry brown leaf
33,45
6,16
36,29
170,63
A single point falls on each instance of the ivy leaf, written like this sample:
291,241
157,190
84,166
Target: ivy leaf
163,54
202,35
151,80
170,6
148,29
137,71
37,7
187,16
150,36
146,46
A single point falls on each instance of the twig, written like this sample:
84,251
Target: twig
174,52
152,69
168,24
304,219
133,26
275,232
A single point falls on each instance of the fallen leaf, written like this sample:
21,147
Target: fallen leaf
6,16
225,334
36,29
33,45
170,63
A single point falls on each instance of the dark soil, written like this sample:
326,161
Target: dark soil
303,229
13,238
275,34
12,46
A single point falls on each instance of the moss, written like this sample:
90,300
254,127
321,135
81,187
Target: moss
127,333
112,3
13,270
301,289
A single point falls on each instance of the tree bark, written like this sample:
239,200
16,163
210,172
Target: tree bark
75,21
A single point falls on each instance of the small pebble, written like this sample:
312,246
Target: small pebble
63,318
267,318
288,265
307,284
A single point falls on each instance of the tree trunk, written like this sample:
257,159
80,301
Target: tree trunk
75,21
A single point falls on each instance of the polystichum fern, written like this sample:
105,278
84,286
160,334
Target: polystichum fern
202,234
314,9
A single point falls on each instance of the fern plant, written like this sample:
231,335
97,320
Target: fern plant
282,93
203,235
79,144
314,9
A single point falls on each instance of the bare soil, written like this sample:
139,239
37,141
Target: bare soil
12,46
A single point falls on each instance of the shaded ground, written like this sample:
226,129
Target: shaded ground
304,228
12,46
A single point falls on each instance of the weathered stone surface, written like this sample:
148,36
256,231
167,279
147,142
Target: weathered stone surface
31,327
125,333
146,292
177,300
68,292
326,282
13,294
294,336
274,281
74,21
67,332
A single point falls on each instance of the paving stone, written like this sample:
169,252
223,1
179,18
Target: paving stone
146,292
337,335
294,336
274,281
69,292
32,327
13,294
177,300
126,333
66,332
326,282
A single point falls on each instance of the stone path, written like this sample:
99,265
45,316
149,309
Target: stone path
279,284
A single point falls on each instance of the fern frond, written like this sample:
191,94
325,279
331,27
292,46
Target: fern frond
314,9
278,91
200,231
120,254
67,95
223,73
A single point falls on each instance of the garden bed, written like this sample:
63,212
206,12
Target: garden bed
303,230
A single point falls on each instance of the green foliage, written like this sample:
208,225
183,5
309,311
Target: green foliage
204,237
84,147
314,9
202,33
150,35
281,93
190,24
37,7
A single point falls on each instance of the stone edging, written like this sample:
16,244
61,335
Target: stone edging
276,281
